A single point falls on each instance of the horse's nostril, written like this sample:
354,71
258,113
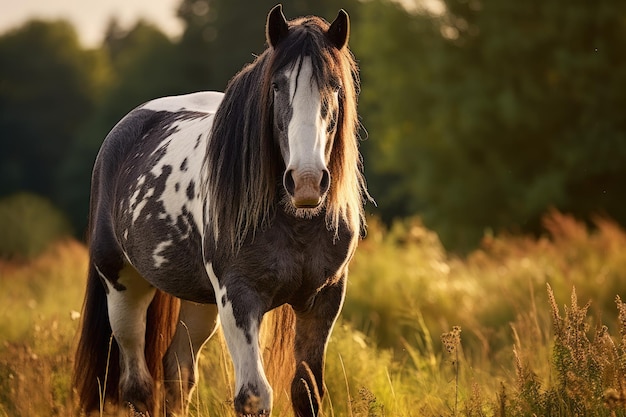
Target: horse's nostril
325,182
288,182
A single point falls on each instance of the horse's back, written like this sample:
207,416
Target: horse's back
146,193
201,102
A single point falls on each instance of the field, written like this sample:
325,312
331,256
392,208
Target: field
522,326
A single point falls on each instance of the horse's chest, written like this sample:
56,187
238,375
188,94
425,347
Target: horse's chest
290,266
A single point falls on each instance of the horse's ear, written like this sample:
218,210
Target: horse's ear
276,29
339,31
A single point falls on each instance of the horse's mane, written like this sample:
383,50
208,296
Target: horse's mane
243,160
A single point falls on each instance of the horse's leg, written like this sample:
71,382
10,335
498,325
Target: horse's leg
241,311
313,327
253,393
196,324
128,301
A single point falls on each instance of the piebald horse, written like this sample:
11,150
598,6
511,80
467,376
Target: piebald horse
212,209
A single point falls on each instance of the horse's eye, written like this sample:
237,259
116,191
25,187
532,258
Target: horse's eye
275,87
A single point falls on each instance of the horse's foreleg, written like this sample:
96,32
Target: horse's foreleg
313,327
196,324
127,303
240,312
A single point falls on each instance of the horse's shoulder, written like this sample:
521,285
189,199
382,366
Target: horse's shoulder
201,102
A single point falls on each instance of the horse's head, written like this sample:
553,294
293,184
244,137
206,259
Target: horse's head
306,93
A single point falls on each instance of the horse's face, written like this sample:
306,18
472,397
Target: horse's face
305,122
306,96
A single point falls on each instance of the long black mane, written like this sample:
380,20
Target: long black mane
243,161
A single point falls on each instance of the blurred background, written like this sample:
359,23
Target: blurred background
479,116
494,143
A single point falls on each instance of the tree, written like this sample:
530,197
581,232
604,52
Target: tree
143,66
144,62
397,73
48,88
491,113
221,36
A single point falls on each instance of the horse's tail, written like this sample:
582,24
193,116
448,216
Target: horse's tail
161,324
96,361
96,366
277,341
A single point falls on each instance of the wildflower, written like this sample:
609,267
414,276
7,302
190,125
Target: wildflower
452,340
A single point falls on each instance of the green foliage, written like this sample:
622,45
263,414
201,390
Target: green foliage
145,67
221,36
49,86
487,115
29,224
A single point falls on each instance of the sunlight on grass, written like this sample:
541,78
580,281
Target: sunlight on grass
540,330
44,294
39,305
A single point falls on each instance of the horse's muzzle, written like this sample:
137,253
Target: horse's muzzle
308,189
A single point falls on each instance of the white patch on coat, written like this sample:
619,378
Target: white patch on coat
140,205
246,356
133,199
127,316
188,141
203,102
104,278
182,149
157,255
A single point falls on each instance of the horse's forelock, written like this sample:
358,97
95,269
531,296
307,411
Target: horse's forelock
307,39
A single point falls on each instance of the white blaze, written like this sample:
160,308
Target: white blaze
307,128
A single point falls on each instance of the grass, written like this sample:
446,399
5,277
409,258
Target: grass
39,303
522,326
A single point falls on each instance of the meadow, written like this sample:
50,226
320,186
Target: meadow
522,326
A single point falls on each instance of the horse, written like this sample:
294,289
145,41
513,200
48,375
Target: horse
212,209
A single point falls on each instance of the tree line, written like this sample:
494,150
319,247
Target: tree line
479,116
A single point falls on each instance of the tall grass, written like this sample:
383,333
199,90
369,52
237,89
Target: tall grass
39,305
522,326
